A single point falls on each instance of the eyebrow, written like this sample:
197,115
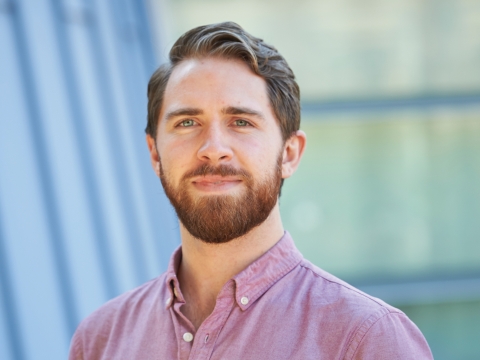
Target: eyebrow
230,110
234,110
183,112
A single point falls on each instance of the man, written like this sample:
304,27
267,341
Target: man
223,133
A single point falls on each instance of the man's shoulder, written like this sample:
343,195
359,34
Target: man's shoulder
364,325
117,319
345,298
134,302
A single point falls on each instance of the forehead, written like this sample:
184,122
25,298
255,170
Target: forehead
215,83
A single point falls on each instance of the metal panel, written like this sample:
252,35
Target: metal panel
31,228
127,60
82,216
10,343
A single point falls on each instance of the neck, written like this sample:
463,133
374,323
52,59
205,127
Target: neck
205,268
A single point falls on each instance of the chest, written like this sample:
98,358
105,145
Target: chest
264,331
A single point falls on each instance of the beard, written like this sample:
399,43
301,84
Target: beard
217,219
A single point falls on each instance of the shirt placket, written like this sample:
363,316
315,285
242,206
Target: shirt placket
208,333
184,335
184,330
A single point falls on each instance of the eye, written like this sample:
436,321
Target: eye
241,122
187,123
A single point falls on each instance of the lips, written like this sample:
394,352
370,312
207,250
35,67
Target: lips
215,182
215,179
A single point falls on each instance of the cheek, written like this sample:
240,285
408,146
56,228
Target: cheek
262,155
174,160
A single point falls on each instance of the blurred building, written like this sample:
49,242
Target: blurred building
387,196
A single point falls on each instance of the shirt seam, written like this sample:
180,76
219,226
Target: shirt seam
386,310
351,288
362,337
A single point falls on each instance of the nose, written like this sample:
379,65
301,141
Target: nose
215,148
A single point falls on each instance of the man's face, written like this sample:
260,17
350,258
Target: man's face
220,148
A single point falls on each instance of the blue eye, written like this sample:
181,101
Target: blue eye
241,123
187,123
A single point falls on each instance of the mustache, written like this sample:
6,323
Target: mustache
221,170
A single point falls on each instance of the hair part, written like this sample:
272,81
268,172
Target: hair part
229,40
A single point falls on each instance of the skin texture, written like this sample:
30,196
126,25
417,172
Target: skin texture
217,112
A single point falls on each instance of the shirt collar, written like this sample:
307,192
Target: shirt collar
254,280
171,279
260,275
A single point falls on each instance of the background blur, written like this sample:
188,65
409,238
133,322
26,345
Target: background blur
387,196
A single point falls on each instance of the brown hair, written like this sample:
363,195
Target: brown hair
229,40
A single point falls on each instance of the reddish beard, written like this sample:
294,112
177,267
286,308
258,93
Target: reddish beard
218,219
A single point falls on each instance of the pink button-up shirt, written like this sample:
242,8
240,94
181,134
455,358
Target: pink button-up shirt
280,307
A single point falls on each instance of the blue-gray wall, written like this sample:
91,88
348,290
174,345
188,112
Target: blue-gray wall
82,216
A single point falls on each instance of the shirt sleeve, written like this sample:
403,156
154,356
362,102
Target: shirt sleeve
392,336
76,352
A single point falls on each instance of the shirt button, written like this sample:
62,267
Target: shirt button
168,301
244,300
187,337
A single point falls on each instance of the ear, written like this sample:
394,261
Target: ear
292,153
154,158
